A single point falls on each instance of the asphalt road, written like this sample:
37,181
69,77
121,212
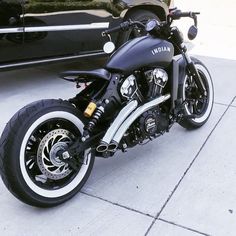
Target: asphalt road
180,184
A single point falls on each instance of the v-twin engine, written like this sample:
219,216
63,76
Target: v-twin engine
139,122
154,80
157,80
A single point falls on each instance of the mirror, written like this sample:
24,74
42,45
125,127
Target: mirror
109,47
192,32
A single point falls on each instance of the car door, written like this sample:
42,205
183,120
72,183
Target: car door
11,30
64,28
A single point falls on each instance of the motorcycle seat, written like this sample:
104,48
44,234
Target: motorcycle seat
86,76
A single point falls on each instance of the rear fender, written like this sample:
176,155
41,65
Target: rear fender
86,76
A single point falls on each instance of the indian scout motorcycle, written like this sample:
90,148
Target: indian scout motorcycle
47,149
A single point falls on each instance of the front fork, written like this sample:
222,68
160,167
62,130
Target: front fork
193,71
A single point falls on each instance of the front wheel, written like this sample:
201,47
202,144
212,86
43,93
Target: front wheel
29,145
197,104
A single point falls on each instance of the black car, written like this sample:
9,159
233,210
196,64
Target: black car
38,31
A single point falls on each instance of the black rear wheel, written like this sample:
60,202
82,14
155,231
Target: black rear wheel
29,147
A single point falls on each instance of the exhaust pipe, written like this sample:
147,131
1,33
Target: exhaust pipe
123,121
103,147
126,124
112,147
124,113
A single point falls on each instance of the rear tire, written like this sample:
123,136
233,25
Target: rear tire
137,15
29,164
196,104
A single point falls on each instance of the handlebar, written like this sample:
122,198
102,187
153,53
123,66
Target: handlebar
124,26
154,28
176,14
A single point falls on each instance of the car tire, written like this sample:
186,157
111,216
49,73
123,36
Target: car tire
138,15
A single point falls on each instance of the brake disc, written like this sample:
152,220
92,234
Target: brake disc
47,158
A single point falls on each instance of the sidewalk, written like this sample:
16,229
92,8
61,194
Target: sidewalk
182,184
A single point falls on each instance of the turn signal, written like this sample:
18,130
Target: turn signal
90,109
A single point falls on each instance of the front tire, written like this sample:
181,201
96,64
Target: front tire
29,164
195,103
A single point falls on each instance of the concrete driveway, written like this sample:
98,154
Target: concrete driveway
181,184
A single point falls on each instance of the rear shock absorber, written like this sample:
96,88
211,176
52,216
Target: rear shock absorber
94,120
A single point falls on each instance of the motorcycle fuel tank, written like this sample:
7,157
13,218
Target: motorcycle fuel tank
141,52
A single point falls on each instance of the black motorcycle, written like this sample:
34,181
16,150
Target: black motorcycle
47,149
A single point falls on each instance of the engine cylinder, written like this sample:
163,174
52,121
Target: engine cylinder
157,80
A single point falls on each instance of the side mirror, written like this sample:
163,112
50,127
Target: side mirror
192,32
109,47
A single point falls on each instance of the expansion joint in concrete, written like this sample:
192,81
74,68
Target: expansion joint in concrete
117,204
183,227
189,167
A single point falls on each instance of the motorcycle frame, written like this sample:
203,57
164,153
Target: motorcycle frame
181,66
177,75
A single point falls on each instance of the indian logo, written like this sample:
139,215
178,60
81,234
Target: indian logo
160,49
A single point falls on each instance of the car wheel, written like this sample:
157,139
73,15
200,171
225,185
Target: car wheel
138,15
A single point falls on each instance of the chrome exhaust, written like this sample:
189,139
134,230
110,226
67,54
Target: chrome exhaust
112,147
123,121
103,147
124,113
126,124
